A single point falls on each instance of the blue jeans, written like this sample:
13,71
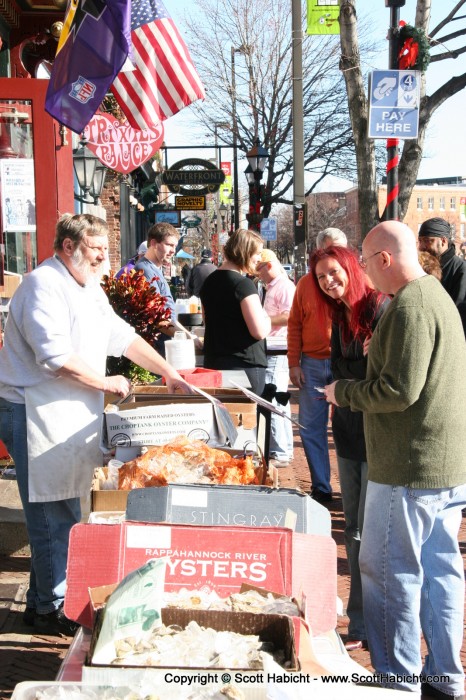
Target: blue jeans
256,376
48,524
281,432
353,483
313,415
413,579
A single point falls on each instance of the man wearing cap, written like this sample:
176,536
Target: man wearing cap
132,261
199,273
435,237
279,293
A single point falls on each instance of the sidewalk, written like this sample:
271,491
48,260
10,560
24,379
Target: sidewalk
24,656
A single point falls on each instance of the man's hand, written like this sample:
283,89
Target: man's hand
117,385
329,393
297,377
178,386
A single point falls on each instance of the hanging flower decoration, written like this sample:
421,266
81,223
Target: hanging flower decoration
134,300
414,50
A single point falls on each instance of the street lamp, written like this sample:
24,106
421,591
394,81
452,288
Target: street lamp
223,211
90,174
244,50
231,197
257,158
98,181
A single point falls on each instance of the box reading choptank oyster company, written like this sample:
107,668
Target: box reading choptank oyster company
251,506
159,423
241,408
213,558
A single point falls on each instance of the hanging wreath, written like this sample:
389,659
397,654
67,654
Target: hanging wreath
415,49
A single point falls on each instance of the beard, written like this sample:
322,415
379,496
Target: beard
84,268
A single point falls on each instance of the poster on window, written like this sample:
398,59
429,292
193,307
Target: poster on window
18,194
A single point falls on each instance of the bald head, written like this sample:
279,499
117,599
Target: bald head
391,255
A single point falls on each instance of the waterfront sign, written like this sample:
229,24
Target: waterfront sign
193,176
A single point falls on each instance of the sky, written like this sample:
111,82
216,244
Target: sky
445,149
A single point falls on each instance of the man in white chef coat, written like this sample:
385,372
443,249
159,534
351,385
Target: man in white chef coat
59,332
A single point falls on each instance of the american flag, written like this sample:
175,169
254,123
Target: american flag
164,79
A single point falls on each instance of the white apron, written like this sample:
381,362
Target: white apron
63,423
63,416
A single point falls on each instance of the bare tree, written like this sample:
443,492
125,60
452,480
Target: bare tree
259,32
284,246
412,151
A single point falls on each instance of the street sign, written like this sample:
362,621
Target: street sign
394,97
190,203
193,176
269,229
191,221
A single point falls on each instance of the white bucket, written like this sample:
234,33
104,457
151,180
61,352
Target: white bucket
180,352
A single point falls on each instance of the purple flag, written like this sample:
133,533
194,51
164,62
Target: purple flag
93,47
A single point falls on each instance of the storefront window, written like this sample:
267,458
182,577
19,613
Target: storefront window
17,190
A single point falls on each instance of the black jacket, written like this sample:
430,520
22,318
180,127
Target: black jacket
349,362
198,275
453,274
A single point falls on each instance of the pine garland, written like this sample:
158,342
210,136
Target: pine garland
414,48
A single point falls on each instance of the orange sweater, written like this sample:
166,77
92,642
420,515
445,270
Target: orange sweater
304,335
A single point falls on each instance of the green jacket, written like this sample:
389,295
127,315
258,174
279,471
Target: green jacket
414,393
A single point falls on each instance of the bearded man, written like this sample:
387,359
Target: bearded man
59,331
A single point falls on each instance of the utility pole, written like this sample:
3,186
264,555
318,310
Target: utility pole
299,199
244,50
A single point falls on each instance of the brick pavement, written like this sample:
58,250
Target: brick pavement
25,656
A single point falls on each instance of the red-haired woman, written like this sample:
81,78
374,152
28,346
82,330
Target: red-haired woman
355,309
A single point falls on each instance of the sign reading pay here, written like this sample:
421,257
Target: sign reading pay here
394,97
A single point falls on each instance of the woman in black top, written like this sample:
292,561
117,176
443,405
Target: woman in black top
355,307
235,323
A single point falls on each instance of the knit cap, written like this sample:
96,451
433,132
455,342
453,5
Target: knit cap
435,228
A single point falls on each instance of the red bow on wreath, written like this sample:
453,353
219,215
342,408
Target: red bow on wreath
414,51
409,52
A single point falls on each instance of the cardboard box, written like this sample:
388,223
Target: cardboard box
217,558
31,690
116,500
11,282
273,628
159,422
277,629
242,410
252,506
107,500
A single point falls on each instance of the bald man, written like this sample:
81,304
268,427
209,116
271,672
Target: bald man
415,426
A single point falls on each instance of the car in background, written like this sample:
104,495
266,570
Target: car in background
289,269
